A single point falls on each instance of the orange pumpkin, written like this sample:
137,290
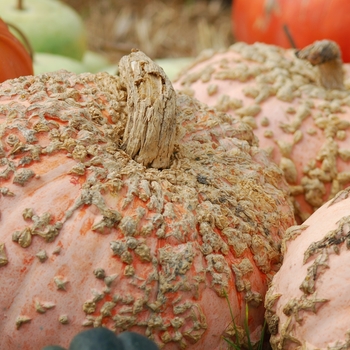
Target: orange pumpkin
307,21
126,205
302,125
15,60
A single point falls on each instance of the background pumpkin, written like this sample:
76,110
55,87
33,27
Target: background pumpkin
92,233
14,58
50,26
308,301
303,126
307,20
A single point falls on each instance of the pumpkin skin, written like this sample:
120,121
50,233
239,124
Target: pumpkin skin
263,21
128,246
14,58
308,301
304,127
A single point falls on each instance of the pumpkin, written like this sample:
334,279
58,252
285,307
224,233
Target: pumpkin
302,125
264,21
308,301
127,206
14,58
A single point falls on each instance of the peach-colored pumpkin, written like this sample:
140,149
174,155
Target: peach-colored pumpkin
302,125
89,236
308,302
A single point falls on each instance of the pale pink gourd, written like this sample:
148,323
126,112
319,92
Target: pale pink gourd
308,301
304,126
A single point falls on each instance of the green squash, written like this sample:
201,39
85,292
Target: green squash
50,26
48,62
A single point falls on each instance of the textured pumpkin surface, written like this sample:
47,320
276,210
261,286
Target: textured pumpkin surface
308,302
303,127
89,236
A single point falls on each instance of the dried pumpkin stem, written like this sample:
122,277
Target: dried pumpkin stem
24,38
289,36
150,131
19,5
326,55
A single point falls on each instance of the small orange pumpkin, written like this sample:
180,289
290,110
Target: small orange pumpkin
307,21
15,60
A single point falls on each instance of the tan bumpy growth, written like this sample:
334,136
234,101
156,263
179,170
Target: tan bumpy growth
127,206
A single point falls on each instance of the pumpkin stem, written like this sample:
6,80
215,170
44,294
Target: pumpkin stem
20,5
289,36
25,40
326,55
149,135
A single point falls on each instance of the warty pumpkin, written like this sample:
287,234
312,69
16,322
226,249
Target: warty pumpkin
126,205
298,108
308,301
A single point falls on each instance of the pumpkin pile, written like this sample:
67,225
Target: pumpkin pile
298,107
126,205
